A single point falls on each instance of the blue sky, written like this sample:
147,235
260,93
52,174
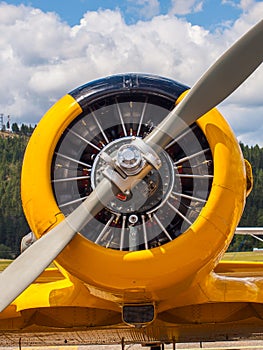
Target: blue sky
209,14
49,47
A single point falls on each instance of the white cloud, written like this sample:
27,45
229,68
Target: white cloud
244,108
42,58
144,8
184,7
246,4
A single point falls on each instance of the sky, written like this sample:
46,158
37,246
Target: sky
50,47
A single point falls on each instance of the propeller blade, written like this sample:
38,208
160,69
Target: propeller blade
228,72
32,262
219,81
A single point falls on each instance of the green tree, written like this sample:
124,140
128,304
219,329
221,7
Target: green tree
5,252
13,225
253,212
15,128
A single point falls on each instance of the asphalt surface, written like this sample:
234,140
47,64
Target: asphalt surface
234,345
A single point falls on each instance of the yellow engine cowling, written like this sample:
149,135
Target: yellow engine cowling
146,274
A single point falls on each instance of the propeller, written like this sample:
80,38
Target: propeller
221,79
217,83
32,262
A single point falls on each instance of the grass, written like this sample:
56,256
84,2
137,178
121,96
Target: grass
244,256
4,263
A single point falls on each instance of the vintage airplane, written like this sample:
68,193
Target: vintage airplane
136,202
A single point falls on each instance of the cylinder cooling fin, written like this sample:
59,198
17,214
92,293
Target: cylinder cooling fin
115,111
175,222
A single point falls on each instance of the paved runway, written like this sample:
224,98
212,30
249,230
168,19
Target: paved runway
235,345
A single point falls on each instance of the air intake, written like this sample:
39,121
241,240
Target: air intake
138,315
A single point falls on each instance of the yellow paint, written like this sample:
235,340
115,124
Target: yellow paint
156,270
43,212
249,177
179,275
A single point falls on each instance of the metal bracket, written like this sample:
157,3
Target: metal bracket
122,179
147,153
124,184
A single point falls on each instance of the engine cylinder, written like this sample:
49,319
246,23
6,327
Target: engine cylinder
185,215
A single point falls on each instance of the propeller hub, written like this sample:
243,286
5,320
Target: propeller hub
129,159
148,194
